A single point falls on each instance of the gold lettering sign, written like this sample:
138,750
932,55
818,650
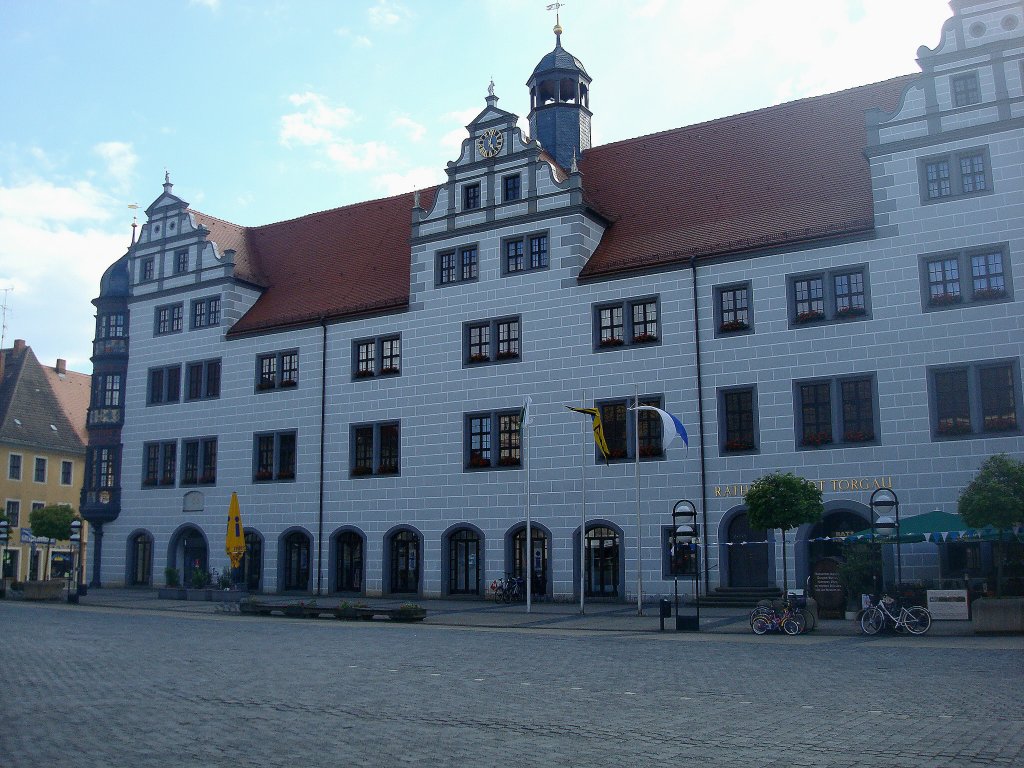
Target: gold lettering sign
831,485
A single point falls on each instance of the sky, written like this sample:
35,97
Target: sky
266,110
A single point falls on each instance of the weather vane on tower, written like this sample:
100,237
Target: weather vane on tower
558,24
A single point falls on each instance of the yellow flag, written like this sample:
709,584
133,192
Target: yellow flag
234,542
598,428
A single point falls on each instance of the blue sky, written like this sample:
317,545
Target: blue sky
265,111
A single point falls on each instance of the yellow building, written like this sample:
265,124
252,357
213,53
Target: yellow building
42,450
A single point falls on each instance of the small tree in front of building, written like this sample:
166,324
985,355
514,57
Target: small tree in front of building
783,501
52,524
995,497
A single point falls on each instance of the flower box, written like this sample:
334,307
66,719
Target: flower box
851,312
149,482
508,355
945,299
817,438
390,371
987,294
362,470
953,428
363,374
264,474
509,461
1000,423
857,436
616,454
265,384
167,480
289,383
387,469
650,452
614,341
479,462
644,338
286,474
739,445
208,479
479,358
808,317
732,326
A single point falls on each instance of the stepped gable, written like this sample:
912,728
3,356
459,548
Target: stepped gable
339,263
30,413
781,175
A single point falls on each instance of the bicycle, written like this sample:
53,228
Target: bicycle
915,619
514,589
767,617
498,587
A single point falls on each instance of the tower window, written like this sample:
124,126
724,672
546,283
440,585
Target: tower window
471,197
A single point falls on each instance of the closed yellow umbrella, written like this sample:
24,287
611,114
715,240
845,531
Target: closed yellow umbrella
234,542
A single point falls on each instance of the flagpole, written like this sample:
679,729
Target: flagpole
583,518
639,569
528,564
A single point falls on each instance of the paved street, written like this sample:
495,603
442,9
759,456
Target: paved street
96,686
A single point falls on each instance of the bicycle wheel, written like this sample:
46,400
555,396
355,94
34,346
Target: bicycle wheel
507,595
918,620
791,626
765,613
760,625
872,621
800,620
499,595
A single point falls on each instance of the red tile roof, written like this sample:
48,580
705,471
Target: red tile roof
778,175
781,175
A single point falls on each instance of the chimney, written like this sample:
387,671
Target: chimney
62,366
19,345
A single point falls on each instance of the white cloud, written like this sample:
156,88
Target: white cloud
387,13
451,141
415,130
416,178
320,125
42,203
359,41
121,161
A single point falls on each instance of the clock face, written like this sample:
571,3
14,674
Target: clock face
489,142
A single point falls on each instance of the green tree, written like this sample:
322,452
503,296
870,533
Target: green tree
783,501
51,523
995,497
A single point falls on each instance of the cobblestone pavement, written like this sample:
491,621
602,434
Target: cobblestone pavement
94,686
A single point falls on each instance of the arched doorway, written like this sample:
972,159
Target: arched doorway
405,560
296,561
348,567
538,558
826,538
188,548
749,564
251,566
602,566
464,562
140,560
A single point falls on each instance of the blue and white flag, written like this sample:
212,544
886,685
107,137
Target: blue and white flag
671,427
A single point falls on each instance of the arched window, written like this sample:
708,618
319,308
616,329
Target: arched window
464,562
538,558
348,576
405,557
602,547
141,574
296,561
252,562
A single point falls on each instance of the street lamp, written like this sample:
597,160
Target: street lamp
885,516
683,556
75,539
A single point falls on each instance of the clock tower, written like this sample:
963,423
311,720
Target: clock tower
560,104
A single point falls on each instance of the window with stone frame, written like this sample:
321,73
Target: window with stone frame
733,309
277,370
816,413
492,341
206,312
147,269
164,385
837,295
375,449
380,356
14,466
738,420
809,295
840,411
626,323
457,266
858,410
202,380
470,197
159,463
945,282
274,456
181,262
169,319
511,188
645,321
199,461
965,89
956,174
622,429
849,293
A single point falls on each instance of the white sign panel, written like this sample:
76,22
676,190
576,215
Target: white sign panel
949,604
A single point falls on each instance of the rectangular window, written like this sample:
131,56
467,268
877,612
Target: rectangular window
274,456
164,385
858,410
447,271
975,399
277,370
734,309
955,175
738,420
147,269
169,458
810,299
945,283
111,326
66,472
168,319
39,473
470,197
953,404
511,188
622,428
13,512
840,411
965,89
208,471
479,441
104,469
514,256
190,462
14,467
457,266
508,440
998,406
469,259
159,463
849,292
478,432
516,251
180,262
478,341
375,449
834,296
206,312
108,390
816,413
202,380
626,323
649,431
539,252
382,355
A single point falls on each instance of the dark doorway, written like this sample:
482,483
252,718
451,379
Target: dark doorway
748,554
405,557
348,576
142,560
252,562
296,561
538,558
826,538
602,547
464,563
193,557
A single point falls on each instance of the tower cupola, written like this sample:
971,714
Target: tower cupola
560,104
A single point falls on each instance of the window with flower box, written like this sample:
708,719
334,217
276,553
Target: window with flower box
375,449
955,175
169,319
274,456
840,411
969,276
975,399
199,461
461,265
277,370
159,463
479,429
492,341
633,322
737,420
622,429
837,295
524,254
202,380
379,356
164,385
732,309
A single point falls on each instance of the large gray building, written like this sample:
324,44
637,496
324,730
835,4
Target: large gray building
826,287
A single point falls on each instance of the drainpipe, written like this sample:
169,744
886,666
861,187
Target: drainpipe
323,432
700,415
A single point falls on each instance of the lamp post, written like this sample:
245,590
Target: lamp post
885,516
5,533
685,534
74,541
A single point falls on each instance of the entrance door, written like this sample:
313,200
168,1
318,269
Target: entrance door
349,569
142,560
538,558
252,562
748,554
602,548
193,548
405,556
464,563
296,561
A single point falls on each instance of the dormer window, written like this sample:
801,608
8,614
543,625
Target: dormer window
471,197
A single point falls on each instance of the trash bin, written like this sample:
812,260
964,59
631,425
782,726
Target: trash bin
664,610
